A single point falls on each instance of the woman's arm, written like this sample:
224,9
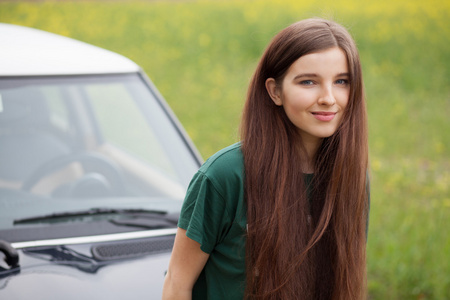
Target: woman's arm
186,263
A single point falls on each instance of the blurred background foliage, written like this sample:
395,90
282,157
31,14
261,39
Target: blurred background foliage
201,55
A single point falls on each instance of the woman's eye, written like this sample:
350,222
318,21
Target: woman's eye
342,81
306,82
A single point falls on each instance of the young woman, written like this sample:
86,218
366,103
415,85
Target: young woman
283,214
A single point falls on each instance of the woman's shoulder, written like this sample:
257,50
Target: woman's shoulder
226,163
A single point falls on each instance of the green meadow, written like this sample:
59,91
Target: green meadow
201,55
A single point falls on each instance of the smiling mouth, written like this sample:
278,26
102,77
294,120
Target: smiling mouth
324,116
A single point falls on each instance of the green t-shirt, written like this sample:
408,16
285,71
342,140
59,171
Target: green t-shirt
214,215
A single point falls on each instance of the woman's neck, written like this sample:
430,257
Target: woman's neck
311,145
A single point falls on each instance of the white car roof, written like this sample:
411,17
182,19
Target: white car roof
31,52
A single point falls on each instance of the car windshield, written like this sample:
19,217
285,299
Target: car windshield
82,142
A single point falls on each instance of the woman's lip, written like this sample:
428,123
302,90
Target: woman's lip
324,115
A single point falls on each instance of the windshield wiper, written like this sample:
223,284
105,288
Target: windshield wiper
91,212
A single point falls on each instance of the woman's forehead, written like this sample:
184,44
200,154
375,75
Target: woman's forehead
328,62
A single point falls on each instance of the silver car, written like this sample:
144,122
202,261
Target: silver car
93,170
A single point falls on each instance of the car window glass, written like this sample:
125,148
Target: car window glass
122,124
59,115
78,142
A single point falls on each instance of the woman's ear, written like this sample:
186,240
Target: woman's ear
274,91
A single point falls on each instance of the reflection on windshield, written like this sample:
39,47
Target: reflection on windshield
102,137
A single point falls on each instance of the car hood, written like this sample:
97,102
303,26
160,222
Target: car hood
76,272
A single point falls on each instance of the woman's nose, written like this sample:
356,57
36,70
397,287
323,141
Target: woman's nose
327,97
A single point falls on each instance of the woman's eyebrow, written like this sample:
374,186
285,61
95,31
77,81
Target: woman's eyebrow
343,74
313,75
309,75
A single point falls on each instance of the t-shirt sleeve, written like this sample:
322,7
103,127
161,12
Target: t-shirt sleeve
204,215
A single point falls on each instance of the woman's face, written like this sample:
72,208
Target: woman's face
314,93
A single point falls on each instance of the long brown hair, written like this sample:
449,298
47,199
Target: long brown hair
304,244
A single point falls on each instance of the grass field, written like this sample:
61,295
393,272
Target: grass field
201,55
